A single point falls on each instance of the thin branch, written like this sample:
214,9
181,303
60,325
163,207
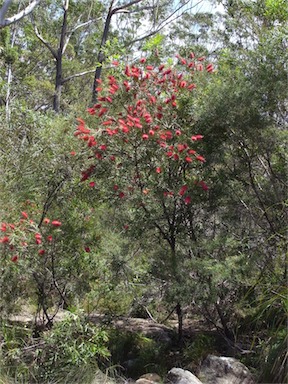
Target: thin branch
77,75
119,9
47,45
165,22
75,29
13,19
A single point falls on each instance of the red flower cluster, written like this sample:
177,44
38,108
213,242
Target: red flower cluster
138,116
27,236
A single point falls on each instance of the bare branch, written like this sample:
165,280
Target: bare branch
165,22
77,75
119,9
47,45
13,19
75,29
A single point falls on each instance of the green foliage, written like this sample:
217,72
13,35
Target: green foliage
136,354
154,43
71,343
70,352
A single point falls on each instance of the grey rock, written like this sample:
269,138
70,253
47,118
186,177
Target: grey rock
181,376
149,378
224,370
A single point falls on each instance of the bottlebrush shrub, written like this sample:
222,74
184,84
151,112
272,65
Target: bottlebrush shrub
141,141
22,239
29,260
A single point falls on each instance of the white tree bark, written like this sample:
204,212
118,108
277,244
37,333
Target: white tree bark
4,22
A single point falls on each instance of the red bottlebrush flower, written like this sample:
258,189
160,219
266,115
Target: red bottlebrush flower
169,154
38,236
202,58
25,215
87,249
149,67
121,195
151,132
41,252
200,67
91,142
191,152
145,136
176,157
158,170
38,241
46,220
196,137
203,185
188,159
112,158
191,86
181,147
98,155
142,60
161,67
3,227
115,63
187,200
91,111
4,240
200,158
115,187
178,132
167,72
107,122
103,147
56,223
127,71
80,121
192,55
49,238
102,111
209,68
72,153
92,184
183,190
125,129
12,226
182,84
14,258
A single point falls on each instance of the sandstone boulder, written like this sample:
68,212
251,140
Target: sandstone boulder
181,376
224,370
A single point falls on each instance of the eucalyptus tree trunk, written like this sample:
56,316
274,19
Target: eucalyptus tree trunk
59,59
